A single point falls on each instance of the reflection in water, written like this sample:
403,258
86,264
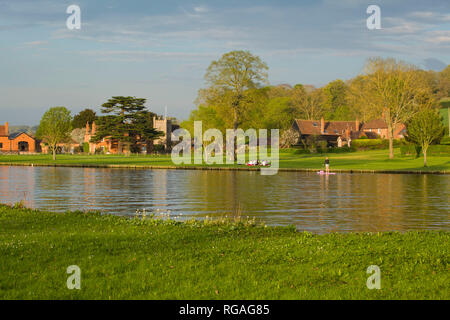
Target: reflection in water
317,203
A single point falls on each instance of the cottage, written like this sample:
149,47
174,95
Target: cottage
379,129
336,133
17,142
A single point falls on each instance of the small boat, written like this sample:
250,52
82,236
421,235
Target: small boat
324,173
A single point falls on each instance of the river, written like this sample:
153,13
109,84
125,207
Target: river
340,203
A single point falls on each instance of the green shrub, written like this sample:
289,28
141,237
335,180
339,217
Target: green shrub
100,150
336,150
433,150
445,140
86,147
78,149
410,149
159,148
439,150
302,151
322,145
344,149
373,144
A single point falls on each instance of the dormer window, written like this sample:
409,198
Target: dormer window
315,124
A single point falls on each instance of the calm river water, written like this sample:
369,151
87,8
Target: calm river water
340,203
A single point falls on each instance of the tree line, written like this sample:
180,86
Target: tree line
124,120
238,95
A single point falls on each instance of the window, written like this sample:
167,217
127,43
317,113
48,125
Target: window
1,145
379,131
315,124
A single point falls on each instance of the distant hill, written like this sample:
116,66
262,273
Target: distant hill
28,129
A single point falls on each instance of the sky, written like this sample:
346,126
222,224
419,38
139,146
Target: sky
160,50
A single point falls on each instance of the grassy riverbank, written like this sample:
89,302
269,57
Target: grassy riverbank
155,259
376,160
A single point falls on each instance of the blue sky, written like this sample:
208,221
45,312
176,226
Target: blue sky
160,50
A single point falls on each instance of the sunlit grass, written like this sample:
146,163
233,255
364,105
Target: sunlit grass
363,160
160,258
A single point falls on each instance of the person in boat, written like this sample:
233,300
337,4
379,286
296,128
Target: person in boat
327,165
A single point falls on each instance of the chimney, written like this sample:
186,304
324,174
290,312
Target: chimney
357,124
87,127
93,128
322,126
347,133
6,128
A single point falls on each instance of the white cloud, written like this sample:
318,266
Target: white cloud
201,9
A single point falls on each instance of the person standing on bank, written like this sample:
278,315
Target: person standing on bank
327,165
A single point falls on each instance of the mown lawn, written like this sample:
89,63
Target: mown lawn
362,160
124,258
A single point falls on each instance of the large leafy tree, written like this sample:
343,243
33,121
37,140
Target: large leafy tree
424,129
394,90
335,101
209,117
309,103
142,130
85,116
230,79
126,121
55,127
444,83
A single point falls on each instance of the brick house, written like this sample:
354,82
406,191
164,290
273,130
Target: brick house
107,145
336,133
340,133
17,142
379,128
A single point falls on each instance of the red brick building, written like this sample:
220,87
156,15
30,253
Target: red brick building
379,128
340,133
336,133
17,142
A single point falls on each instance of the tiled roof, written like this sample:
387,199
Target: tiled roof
335,128
375,124
17,134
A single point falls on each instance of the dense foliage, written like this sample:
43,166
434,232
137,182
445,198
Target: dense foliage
55,127
81,119
127,121
424,129
389,89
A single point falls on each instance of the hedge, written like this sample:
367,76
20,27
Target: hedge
344,149
373,144
433,150
445,140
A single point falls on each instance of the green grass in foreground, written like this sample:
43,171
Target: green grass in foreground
367,160
154,259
